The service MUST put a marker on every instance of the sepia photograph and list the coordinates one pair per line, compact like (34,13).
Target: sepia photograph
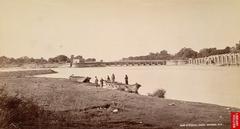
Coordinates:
(119,64)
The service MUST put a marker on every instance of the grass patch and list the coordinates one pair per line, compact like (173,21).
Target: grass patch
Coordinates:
(14,110)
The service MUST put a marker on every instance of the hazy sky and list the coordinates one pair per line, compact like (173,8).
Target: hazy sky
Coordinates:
(112,29)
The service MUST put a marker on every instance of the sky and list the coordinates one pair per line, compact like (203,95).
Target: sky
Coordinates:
(113,29)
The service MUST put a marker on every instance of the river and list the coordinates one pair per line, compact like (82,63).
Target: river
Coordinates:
(208,84)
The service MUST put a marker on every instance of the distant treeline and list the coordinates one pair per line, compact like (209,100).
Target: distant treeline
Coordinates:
(27,60)
(186,53)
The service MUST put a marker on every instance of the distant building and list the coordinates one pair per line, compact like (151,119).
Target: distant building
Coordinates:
(78,59)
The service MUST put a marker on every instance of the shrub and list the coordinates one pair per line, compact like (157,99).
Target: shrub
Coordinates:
(14,110)
(160,93)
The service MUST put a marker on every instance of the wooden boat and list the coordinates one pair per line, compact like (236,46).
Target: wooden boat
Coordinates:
(79,79)
(133,88)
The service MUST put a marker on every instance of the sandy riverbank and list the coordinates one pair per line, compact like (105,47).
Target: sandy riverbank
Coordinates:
(71,105)
(35,66)
(25,73)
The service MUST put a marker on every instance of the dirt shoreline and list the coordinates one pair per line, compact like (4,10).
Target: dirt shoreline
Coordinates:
(72,105)
(24,73)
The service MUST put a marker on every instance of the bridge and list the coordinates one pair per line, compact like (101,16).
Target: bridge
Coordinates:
(80,62)
(131,63)
(120,63)
(135,62)
(223,59)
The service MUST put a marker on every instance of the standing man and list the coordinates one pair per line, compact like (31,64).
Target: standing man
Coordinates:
(113,78)
(126,79)
(96,81)
(108,79)
(101,82)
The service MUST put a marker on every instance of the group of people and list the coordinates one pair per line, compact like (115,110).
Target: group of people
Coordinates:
(109,80)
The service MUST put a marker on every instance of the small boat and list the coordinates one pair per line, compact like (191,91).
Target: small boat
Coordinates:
(79,79)
(133,88)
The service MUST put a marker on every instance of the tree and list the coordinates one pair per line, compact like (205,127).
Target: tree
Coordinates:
(186,53)
(40,61)
(164,52)
(90,60)
(79,57)
(59,59)
(23,60)
(227,50)
(213,51)
(12,61)
(51,60)
(207,52)
(3,60)
(164,55)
